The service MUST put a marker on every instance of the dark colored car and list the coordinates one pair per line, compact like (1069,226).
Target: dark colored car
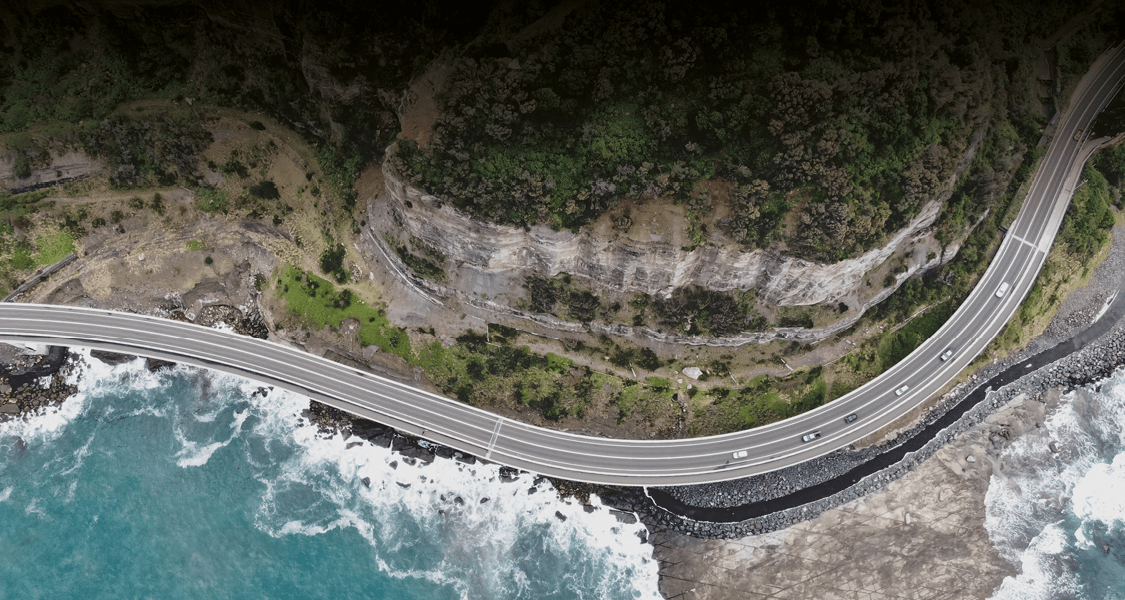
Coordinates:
(850,418)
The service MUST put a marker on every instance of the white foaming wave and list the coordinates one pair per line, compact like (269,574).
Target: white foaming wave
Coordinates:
(46,424)
(33,508)
(6,493)
(353,520)
(1027,511)
(480,542)
(1098,496)
(1042,576)
(79,455)
(70,491)
(194,454)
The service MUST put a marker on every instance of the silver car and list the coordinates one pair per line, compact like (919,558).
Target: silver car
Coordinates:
(808,437)
(947,354)
(902,390)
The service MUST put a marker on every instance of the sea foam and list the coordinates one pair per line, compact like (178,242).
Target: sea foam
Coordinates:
(448,523)
(478,524)
(1056,515)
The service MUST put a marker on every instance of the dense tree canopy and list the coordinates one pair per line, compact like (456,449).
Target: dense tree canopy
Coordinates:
(855,111)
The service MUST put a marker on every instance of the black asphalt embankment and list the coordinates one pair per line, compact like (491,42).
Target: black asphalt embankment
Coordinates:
(52,362)
(895,455)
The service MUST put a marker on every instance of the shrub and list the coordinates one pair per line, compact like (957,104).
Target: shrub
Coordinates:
(22,167)
(266,190)
(208,260)
(332,262)
(211,200)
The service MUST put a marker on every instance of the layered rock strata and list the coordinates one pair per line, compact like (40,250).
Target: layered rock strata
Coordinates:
(484,258)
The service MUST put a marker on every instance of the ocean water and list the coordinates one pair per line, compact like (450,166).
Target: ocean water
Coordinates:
(181,484)
(1060,518)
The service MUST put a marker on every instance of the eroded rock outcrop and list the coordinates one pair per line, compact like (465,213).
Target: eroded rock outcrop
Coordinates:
(646,261)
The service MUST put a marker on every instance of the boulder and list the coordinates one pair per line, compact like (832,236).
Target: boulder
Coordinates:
(155,364)
(693,372)
(623,517)
(112,358)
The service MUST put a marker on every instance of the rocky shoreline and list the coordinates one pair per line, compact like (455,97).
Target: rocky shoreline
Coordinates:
(778,489)
(331,421)
(784,492)
(22,389)
(1091,349)
(1074,369)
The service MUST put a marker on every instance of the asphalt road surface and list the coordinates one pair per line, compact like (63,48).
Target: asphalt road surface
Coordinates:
(631,462)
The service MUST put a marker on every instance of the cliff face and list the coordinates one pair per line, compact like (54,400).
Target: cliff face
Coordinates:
(646,261)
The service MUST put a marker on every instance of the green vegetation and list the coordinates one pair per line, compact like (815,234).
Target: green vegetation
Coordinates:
(627,100)
(265,190)
(698,311)
(14,210)
(53,248)
(79,65)
(764,400)
(341,169)
(878,354)
(558,127)
(480,371)
(157,204)
(690,310)
(318,302)
(428,266)
(1088,218)
(211,200)
(332,261)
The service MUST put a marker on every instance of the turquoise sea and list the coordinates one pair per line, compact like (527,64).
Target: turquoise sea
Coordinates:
(183,484)
(1059,517)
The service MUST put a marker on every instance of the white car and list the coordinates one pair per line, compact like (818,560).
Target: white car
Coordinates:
(1002,290)
(902,390)
(808,437)
(947,354)
(740,454)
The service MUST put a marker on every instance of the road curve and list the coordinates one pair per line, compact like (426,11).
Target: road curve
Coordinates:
(629,462)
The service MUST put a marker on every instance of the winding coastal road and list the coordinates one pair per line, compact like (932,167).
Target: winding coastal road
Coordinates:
(631,462)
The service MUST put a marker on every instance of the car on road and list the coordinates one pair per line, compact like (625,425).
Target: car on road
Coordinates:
(808,437)
(850,418)
(1078,134)
(1003,289)
(902,390)
(740,454)
(947,354)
